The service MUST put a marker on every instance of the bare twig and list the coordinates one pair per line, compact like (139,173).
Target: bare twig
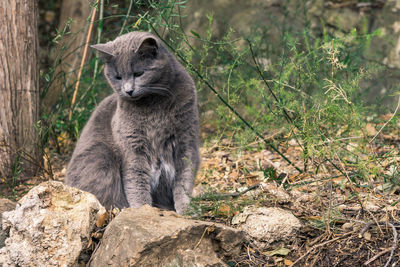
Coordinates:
(126,17)
(234,194)
(392,249)
(394,113)
(365,228)
(338,140)
(93,15)
(354,191)
(320,245)
(377,256)
(248,253)
(24,155)
(208,229)
(99,31)
(288,118)
(285,113)
(94,251)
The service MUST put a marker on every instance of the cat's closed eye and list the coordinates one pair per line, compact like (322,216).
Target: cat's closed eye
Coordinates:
(138,73)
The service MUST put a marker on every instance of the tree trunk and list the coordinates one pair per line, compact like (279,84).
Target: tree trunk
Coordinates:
(68,53)
(19,87)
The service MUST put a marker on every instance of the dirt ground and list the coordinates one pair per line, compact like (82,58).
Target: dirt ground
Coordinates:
(346,223)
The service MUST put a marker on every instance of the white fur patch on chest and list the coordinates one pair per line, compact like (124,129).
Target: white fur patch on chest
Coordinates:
(165,171)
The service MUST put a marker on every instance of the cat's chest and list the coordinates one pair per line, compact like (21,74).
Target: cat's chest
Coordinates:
(154,139)
(134,127)
(163,163)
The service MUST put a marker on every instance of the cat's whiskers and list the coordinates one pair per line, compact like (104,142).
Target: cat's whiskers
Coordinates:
(157,90)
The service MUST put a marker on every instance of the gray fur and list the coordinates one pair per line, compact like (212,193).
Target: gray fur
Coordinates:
(140,146)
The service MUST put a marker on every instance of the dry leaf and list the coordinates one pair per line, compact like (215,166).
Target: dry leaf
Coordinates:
(224,209)
(367,236)
(97,235)
(279,251)
(234,175)
(287,262)
(370,128)
(102,219)
(89,243)
(386,117)
(254,178)
(313,218)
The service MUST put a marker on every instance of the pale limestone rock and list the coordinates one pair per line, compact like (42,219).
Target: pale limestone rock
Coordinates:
(151,237)
(49,227)
(267,225)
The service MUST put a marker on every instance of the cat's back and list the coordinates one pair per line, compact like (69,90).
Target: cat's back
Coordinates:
(95,163)
(98,127)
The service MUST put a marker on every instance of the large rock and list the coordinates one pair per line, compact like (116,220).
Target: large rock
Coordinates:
(49,227)
(151,237)
(267,226)
(5,205)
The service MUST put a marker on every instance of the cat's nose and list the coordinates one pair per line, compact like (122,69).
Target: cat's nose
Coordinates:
(128,88)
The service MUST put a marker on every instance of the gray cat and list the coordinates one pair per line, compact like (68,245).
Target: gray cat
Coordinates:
(140,146)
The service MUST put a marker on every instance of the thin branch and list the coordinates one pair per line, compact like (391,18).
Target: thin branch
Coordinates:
(288,118)
(93,15)
(126,18)
(394,114)
(392,249)
(234,194)
(377,256)
(99,31)
(320,245)
(354,191)
(208,229)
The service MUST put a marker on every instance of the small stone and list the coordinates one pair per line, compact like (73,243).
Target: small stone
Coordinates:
(268,225)
(347,227)
(371,207)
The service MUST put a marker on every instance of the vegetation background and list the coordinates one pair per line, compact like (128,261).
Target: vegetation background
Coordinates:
(297,93)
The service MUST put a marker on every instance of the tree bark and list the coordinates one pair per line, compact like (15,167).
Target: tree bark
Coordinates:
(68,53)
(19,87)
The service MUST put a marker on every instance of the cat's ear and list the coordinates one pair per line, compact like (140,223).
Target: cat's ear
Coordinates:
(148,48)
(105,51)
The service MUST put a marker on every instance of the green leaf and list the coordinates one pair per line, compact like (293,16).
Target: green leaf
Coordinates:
(195,33)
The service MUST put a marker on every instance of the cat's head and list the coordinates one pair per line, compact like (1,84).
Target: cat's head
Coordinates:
(137,66)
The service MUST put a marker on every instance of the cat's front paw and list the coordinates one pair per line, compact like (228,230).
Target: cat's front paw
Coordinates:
(182,206)
(139,199)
